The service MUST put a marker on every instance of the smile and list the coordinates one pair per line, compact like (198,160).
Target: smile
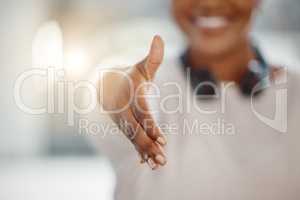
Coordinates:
(212,22)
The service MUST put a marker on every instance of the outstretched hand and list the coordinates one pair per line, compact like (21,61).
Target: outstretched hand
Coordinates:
(125,95)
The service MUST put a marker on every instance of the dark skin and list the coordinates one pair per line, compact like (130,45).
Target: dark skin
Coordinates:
(217,35)
(225,49)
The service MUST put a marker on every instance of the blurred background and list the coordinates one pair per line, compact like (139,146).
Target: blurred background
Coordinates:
(41,157)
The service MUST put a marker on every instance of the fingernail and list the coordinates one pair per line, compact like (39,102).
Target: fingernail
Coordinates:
(151,163)
(161,148)
(160,159)
(142,161)
(155,38)
(161,141)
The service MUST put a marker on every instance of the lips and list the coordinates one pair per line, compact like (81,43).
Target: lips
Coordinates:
(211,22)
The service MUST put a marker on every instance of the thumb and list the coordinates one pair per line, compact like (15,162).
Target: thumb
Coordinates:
(155,57)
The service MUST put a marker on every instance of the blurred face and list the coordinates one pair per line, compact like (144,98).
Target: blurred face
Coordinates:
(214,27)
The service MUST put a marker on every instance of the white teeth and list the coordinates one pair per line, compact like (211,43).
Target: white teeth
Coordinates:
(211,22)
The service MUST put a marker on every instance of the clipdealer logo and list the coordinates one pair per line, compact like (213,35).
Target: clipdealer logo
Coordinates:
(61,94)
(279,120)
(57,92)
